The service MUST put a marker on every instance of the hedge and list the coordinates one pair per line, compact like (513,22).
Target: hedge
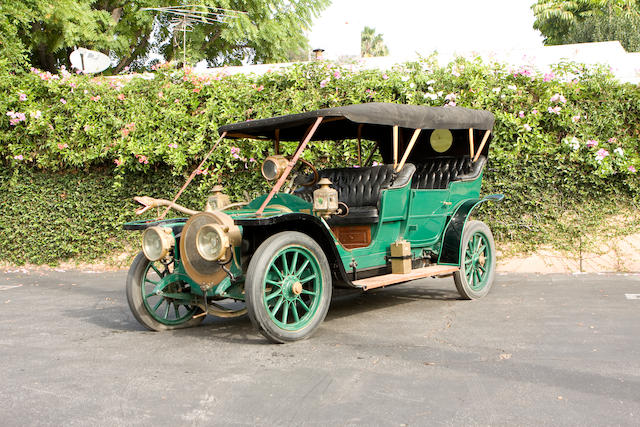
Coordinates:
(76,149)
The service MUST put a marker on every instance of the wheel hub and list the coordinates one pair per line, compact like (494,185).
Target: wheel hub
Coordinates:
(291,287)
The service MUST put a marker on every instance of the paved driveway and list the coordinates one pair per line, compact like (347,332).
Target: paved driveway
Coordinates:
(554,350)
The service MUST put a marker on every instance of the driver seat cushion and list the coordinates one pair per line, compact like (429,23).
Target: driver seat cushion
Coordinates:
(359,188)
(438,172)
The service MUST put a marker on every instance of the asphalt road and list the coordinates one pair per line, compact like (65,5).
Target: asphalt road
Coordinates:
(539,350)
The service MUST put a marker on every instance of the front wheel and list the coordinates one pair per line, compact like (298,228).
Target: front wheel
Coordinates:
(158,312)
(288,287)
(478,261)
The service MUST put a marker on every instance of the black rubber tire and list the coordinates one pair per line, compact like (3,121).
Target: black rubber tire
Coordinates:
(256,273)
(136,304)
(460,277)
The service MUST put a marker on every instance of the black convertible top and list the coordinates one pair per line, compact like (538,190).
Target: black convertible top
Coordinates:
(377,118)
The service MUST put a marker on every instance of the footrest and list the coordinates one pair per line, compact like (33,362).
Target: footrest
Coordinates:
(390,279)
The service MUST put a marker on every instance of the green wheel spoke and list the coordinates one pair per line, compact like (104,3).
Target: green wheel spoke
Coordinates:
(294,262)
(151,281)
(306,292)
(156,270)
(276,307)
(306,279)
(285,264)
(166,312)
(302,303)
(149,295)
(274,294)
(176,311)
(296,317)
(273,268)
(301,269)
(285,312)
(271,282)
(158,304)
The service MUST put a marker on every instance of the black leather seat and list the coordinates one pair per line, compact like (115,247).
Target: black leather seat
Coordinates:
(438,172)
(360,189)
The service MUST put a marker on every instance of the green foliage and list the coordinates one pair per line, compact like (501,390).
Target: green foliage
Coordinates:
(47,31)
(566,144)
(580,21)
(372,44)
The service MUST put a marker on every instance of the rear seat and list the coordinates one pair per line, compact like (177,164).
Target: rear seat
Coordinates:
(360,189)
(437,173)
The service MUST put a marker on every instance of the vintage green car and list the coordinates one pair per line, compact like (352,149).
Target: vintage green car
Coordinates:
(279,256)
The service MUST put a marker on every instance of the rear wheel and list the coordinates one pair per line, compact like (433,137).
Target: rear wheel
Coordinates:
(156,312)
(478,261)
(288,287)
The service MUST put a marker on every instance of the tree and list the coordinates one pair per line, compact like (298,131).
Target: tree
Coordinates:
(372,44)
(562,22)
(49,31)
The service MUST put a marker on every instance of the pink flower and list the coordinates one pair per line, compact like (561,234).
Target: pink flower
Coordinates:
(592,143)
(527,127)
(177,101)
(575,118)
(375,163)
(549,77)
(197,89)
(160,94)
(62,146)
(252,160)
(22,97)
(324,82)
(384,76)
(558,98)
(64,101)
(632,169)
(534,111)
(142,159)
(370,93)
(95,98)
(118,162)
(173,145)
(121,96)
(73,85)
(336,74)
(87,128)
(555,110)
(613,140)
(521,114)
(18,157)
(601,154)
(36,114)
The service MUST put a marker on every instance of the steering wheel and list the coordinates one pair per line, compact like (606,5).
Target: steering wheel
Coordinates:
(294,182)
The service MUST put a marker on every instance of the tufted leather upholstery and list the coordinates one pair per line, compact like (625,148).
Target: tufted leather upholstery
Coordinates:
(360,189)
(439,172)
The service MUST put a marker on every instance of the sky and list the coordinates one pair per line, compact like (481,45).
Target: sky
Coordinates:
(423,26)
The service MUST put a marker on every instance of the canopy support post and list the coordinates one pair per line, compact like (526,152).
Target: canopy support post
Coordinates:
(292,163)
(395,146)
(484,141)
(277,146)
(412,142)
(193,174)
(471,144)
(359,144)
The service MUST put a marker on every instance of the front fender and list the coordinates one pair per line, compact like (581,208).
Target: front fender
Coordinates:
(304,223)
(452,235)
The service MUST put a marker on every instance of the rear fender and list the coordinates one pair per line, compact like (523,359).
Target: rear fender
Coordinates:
(452,236)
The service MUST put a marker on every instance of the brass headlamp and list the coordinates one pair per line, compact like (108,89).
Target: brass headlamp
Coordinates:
(157,242)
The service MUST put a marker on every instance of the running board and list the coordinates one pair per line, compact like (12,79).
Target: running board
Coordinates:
(391,279)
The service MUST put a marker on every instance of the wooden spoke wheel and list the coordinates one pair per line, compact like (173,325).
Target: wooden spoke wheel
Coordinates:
(159,312)
(288,287)
(478,261)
